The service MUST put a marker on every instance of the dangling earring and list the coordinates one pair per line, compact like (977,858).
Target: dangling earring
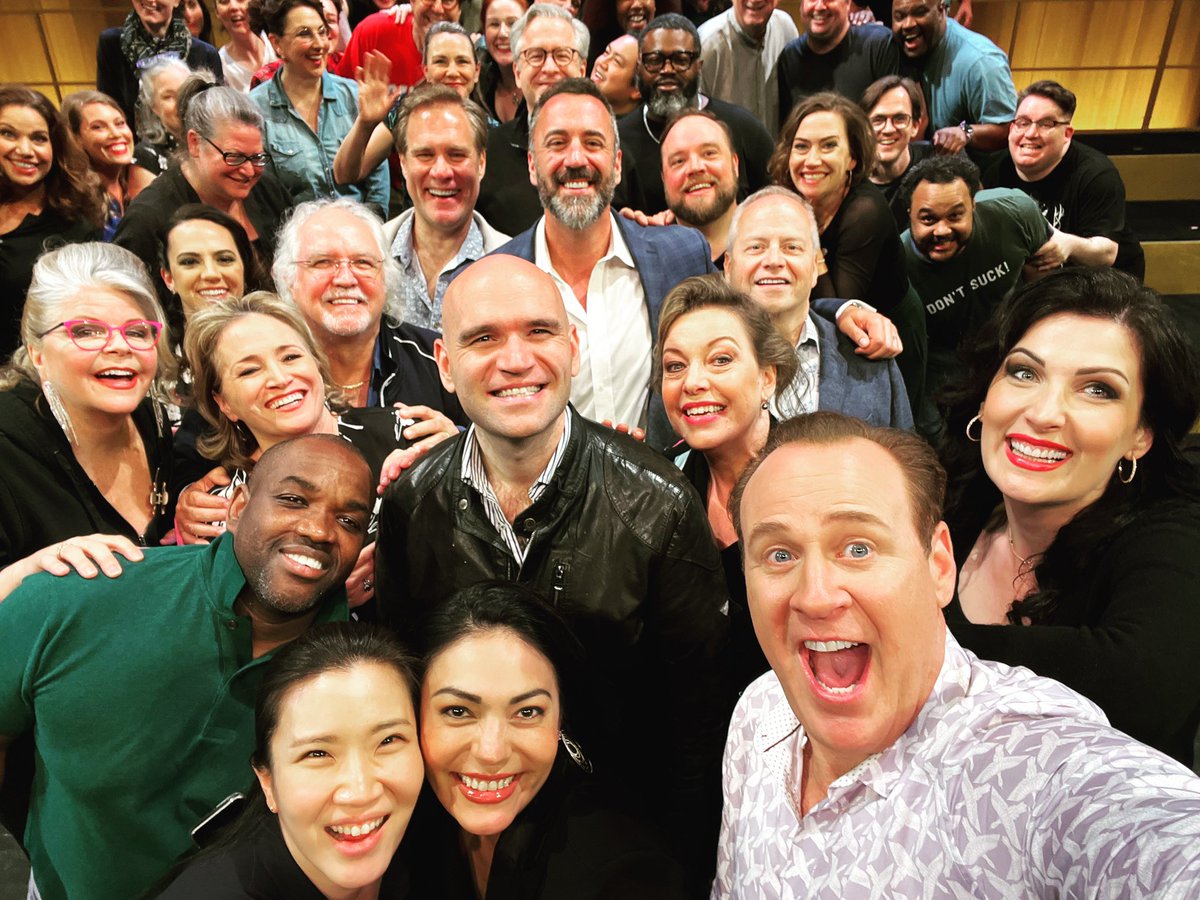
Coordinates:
(575,752)
(1132,470)
(61,416)
(975,440)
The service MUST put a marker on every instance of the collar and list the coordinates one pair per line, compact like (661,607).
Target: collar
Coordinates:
(618,248)
(473,472)
(744,36)
(277,96)
(809,334)
(405,253)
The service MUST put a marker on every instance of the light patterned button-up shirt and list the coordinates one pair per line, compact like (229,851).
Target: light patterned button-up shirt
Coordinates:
(804,392)
(419,308)
(1006,785)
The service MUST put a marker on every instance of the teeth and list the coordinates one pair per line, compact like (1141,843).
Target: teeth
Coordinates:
(357,830)
(476,785)
(770,281)
(519,391)
(1037,452)
(829,646)
(701,186)
(443,193)
(213,292)
(286,399)
(577,185)
(709,410)
(345,301)
(306,561)
(118,373)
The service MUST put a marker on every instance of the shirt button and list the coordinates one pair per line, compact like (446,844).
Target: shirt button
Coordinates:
(462,504)
(529,525)
(231,624)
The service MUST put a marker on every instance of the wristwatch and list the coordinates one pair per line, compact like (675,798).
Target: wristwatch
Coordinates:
(968,130)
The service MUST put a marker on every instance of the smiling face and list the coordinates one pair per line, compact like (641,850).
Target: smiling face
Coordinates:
(234,15)
(489,728)
(509,361)
(753,15)
(500,16)
(427,13)
(268,379)
(634,15)
(918,25)
(1034,152)
(223,182)
(204,265)
(104,136)
(442,168)
(713,386)
(299,525)
(891,140)
(26,153)
(111,381)
(614,71)
(774,258)
(338,303)
(302,47)
(344,757)
(573,159)
(826,22)
(821,162)
(193,16)
(450,60)
(942,218)
(700,171)
(845,596)
(155,14)
(549,35)
(1062,411)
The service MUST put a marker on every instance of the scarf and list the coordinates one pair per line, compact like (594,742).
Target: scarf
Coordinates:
(137,44)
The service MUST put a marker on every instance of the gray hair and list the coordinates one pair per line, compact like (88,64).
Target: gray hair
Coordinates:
(287,250)
(773,190)
(205,108)
(59,278)
(516,33)
(149,125)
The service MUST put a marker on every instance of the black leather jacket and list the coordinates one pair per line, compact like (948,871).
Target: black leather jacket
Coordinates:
(620,543)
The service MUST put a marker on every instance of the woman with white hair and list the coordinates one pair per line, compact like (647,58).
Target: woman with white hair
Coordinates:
(158,127)
(87,451)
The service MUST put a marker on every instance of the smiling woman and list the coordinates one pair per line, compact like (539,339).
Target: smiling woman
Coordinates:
(1074,513)
(337,759)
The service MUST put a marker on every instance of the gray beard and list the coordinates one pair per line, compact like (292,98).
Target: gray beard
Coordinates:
(577,213)
(663,106)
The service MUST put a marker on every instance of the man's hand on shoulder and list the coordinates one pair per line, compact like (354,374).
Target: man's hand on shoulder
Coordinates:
(873,333)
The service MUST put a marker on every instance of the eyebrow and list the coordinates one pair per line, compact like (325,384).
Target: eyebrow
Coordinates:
(475,698)
(1089,370)
(305,740)
(298,481)
(591,132)
(250,356)
(771,528)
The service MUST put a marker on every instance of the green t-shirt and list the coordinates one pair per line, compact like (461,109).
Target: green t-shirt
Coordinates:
(140,694)
(960,293)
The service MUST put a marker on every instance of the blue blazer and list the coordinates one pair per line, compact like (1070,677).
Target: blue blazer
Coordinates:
(663,256)
(871,390)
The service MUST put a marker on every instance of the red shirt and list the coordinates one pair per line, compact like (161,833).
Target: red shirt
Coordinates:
(379,31)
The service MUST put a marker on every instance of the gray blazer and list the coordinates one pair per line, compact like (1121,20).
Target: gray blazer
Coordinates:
(872,390)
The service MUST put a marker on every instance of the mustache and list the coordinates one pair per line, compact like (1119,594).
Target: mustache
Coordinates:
(589,174)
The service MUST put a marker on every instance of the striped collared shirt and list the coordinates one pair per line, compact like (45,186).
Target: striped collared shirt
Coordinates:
(475,475)
(803,394)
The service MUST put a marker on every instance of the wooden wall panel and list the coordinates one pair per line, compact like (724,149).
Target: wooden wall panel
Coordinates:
(996,20)
(22,55)
(1185,43)
(72,40)
(1178,102)
(1107,99)
(1071,33)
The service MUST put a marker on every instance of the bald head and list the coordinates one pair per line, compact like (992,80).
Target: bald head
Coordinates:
(500,279)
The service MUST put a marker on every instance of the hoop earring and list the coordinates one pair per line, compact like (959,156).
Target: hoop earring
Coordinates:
(1132,470)
(575,752)
(975,440)
(61,416)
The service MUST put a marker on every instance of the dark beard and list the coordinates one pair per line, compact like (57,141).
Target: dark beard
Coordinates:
(699,216)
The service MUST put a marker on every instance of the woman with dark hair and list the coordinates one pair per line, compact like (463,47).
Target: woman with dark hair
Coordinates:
(825,153)
(718,361)
(521,815)
(497,82)
(223,166)
(101,132)
(339,767)
(48,195)
(198,20)
(205,257)
(1075,516)
(154,29)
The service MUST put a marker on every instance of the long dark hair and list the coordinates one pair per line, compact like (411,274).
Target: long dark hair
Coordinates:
(72,189)
(1170,406)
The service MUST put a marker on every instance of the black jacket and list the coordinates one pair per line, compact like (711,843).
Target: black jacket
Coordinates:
(620,544)
(406,371)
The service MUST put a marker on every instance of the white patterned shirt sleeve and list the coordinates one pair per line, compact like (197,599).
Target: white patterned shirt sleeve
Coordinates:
(1006,785)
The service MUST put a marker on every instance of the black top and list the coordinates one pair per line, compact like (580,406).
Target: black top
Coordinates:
(19,250)
(573,840)
(117,78)
(1127,638)
(154,158)
(863,252)
(1083,195)
(406,371)
(260,867)
(917,151)
(866,54)
(46,496)
(642,153)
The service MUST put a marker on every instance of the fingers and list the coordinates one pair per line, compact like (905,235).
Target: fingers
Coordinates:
(635,215)
(397,461)
(91,554)
(360,585)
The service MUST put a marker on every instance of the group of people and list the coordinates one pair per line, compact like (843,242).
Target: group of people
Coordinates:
(560,486)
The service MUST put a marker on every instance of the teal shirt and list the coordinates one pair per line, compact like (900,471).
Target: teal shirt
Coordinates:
(967,78)
(140,694)
(303,159)
(960,293)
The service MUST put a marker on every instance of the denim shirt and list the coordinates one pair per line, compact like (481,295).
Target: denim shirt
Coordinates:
(302,160)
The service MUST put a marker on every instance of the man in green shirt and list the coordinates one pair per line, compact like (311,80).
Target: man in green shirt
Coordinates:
(966,249)
(139,691)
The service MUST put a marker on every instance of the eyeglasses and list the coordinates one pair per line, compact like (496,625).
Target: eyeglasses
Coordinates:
(365,266)
(307,36)
(562,56)
(679,60)
(899,121)
(1042,125)
(233,160)
(92,334)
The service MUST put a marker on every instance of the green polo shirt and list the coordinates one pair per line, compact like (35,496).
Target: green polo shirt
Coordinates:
(140,695)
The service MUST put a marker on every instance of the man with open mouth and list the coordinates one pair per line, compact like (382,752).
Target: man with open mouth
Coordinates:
(139,690)
(878,752)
